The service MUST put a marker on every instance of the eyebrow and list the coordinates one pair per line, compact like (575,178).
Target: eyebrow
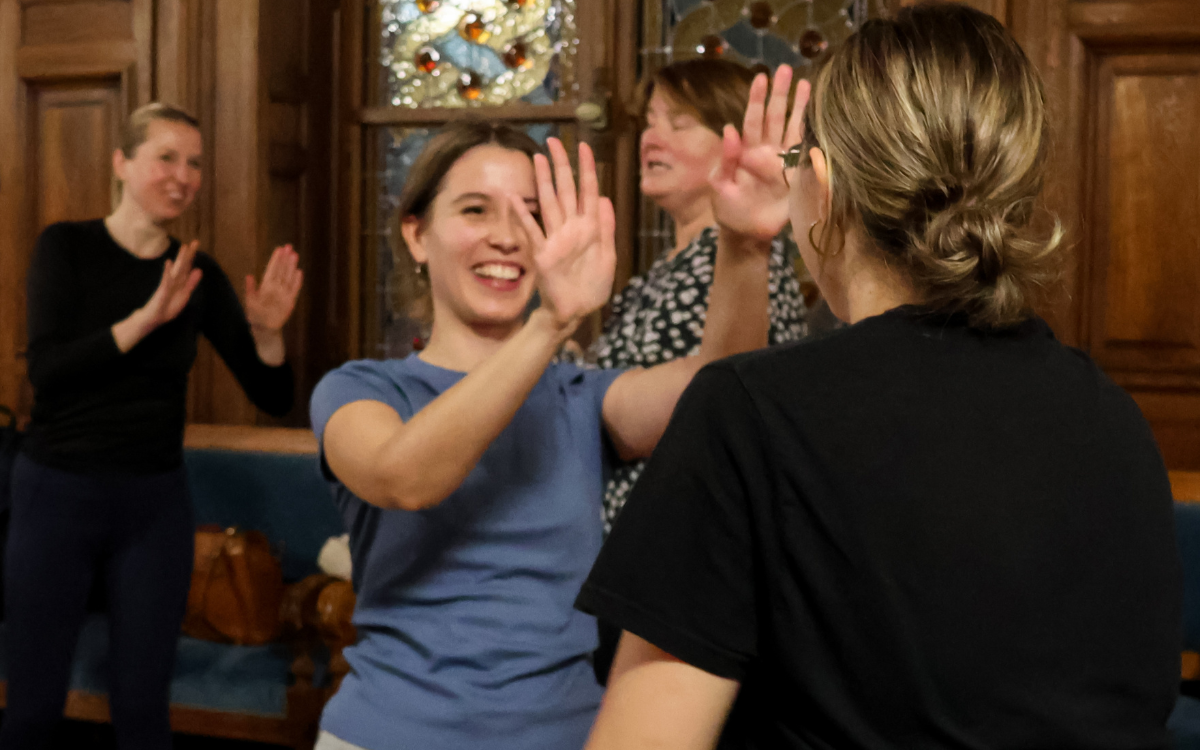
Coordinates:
(486,197)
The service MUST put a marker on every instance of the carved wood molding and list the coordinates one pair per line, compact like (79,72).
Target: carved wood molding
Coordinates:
(250,438)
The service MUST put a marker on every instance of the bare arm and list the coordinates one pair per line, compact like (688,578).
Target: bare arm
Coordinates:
(657,701)
(751,208)
(417,464)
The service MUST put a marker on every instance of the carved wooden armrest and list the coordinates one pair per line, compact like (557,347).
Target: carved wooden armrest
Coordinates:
(335,606)
(299,618)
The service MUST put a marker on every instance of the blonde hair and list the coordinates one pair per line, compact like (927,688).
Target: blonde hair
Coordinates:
(409,284)
(934,128)
(135,130)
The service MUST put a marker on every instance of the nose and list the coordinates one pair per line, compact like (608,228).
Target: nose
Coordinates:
(652,137)
(506,231)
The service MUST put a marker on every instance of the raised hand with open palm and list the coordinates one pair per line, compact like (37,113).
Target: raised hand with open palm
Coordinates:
(750,192)
(575,255)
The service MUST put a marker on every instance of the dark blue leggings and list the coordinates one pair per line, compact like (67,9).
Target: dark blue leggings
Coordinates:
(136,532)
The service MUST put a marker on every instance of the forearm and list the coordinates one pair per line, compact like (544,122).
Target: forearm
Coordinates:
(639,404)
(128,332)
(738,317)
(270,345)
(435,451)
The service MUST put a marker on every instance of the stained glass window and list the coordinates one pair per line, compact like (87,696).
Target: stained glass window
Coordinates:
(459,53)
(760,32)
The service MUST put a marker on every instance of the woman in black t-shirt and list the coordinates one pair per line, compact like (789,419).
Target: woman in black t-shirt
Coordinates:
(936,528)
(114,309)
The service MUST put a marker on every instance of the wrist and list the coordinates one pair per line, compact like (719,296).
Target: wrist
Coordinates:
(543,323)
(746,246)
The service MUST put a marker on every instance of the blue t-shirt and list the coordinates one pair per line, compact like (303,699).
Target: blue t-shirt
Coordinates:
(466,632)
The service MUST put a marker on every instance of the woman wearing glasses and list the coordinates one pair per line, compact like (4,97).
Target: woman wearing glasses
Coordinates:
(958,532)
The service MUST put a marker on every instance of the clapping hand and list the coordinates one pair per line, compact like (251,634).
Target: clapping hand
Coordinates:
(575,256)
(175,288)
(270,304)
(750,192)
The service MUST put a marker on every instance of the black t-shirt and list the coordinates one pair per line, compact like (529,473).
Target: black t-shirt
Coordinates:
(909,534)
(97,410)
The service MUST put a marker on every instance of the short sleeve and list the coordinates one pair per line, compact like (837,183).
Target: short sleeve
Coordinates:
(587,382)
(363,380)
(678,568)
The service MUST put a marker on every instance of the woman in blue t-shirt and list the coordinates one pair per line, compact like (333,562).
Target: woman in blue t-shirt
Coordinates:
(470,475)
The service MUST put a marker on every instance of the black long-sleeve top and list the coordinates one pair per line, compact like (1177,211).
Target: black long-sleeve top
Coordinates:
(97,410)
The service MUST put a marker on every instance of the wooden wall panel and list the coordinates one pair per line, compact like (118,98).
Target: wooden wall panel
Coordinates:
(1123,91)
(72,23)
(1146,203)
(72,135)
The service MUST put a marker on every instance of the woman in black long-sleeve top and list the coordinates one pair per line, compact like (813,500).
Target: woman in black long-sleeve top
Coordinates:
(114,309)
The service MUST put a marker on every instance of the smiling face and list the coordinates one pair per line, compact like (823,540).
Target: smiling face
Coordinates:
(478,257)
(678,153)
(163,175)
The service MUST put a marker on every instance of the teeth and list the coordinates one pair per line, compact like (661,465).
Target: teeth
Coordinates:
(498,271)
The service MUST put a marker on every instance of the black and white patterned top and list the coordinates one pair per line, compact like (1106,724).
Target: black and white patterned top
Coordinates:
(660,316)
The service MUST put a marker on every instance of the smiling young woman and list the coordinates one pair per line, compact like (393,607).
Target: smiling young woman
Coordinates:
(470,474)
(114,309)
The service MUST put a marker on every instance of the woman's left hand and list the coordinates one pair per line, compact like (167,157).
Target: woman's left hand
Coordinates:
(750,192)
(576,254)
(270,304)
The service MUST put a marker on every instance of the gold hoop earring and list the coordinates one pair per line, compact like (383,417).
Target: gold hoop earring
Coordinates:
(812,242)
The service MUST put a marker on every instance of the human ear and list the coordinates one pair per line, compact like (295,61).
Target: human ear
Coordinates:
(410,230)
(118,164)
(820,169)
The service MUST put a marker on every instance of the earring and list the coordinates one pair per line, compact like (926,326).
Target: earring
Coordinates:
(810,235)
(419,269)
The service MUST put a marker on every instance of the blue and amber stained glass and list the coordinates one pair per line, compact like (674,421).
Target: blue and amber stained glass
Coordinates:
(458,53)
(761,32)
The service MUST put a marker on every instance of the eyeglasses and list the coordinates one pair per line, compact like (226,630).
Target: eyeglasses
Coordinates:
(791,160)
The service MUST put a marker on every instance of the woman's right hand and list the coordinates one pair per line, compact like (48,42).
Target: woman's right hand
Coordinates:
(174,290)
(751,194)
(576,255)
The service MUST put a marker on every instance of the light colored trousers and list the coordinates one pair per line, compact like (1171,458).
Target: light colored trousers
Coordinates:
(327,741)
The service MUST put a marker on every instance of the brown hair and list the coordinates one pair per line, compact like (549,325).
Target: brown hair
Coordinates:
(934,128)
(714,91)
(409,285)
(133,134)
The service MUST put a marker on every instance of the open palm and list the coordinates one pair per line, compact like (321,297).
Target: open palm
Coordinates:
(270,304)
(175,288)
(751,195)
(576,255)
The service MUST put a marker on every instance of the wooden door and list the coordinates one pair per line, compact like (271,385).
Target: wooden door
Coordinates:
(1123,83)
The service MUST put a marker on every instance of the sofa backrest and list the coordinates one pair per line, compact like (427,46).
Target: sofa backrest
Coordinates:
(265,479)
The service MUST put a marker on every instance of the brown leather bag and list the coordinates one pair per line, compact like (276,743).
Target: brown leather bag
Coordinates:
(237,588)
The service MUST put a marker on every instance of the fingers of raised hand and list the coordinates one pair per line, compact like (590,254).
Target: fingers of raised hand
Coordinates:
(552,214)
(777,106)
(731,154)
(752,123)
(589,186)
(534,232)
(795,128)
(564,178)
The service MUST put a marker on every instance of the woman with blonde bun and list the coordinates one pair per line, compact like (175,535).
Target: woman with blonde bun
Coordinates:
(937,527)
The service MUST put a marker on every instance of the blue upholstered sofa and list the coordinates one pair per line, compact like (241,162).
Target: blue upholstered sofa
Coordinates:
(265,479)
(1185,720)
